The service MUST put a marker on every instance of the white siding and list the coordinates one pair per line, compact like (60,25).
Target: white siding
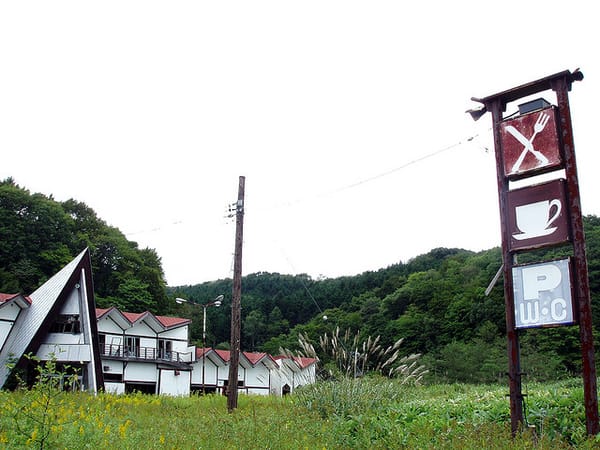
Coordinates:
(5,328)
(140,329)
(107,325)
(62,352)
(71,305)
(64,338)
(258,379)
(140,372)
(210,369)
(174,382)
(180,334)
(114,388)
(9,312)
(113,366)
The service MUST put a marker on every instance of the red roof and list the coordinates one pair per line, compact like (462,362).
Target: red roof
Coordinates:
(172,321)
(200,351)
(253,357)
(301,361)
(224,354)
(305,362)
(132,317)
(101,311)
(7,297)
(165,321)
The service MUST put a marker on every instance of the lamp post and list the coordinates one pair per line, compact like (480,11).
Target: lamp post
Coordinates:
(216,302)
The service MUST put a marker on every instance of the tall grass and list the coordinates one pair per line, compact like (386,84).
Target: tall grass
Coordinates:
(382,413)
(350,355)
(371,412)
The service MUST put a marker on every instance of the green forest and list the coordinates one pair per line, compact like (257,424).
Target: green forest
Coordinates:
(436,302)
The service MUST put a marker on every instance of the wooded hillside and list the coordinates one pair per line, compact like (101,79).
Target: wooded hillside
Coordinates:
(39,235)
(436,301)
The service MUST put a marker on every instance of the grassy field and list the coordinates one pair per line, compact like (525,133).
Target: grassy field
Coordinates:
(361,414)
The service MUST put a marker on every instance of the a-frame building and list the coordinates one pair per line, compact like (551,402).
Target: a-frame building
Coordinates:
(57,321)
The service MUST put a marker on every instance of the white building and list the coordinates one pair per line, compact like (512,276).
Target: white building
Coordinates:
(144,352)
(56,322)
(125,352)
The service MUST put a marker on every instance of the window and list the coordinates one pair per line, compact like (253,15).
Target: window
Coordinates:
(66,323)
(165,349)
(132,346)
(114,377)
(102,343)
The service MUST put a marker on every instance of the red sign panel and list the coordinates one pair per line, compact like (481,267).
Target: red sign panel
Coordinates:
(537,216)
(530,143)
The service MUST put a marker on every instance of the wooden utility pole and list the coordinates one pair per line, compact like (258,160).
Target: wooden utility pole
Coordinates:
(232,384)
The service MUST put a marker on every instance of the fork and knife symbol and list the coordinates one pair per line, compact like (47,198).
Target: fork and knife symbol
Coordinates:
(538,127)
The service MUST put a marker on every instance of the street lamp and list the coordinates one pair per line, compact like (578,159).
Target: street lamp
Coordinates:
(216,302)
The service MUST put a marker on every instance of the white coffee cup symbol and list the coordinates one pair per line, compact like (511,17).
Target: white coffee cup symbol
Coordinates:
(534,219)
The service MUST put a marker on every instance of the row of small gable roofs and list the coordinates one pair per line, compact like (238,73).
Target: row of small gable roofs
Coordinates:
(165,321)
(255,357)
(5,298)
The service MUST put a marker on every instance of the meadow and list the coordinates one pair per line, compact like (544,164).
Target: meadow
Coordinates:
(365,413)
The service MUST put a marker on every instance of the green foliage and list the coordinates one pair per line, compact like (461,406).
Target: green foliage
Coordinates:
(39,235)
(376,413)
(36,412)
(365,413)
(435,302)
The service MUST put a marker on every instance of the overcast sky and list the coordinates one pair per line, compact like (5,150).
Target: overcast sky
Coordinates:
(347,119)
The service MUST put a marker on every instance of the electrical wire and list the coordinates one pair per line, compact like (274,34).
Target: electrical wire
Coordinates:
(339,189)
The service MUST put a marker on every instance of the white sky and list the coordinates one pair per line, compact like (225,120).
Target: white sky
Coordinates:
(149,112)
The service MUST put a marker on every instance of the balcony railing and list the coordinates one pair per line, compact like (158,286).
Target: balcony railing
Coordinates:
(143,353)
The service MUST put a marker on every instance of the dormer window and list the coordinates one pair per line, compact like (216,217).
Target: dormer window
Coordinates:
(66,323)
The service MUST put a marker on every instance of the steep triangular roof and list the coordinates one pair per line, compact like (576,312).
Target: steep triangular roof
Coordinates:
(46,301)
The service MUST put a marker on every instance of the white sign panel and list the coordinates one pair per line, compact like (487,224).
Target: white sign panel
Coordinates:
(542,294)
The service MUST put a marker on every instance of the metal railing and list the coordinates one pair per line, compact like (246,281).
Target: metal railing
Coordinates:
(143,353)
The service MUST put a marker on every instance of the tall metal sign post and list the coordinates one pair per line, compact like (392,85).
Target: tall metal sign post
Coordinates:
(538,215)
(232,383)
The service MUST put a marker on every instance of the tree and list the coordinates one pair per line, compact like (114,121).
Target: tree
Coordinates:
(39,235)
(253,328)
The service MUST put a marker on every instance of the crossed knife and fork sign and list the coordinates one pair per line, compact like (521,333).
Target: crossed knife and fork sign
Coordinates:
(538,127)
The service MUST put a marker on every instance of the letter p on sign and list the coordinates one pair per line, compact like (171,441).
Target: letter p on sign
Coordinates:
(540,278)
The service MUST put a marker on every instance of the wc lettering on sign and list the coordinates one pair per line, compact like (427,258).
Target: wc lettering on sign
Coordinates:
(542,294)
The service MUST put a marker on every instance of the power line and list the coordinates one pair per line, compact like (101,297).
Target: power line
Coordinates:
(375,177)
(410,163)
(339,189)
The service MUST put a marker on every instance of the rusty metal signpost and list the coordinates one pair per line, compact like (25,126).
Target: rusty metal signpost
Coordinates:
(538,215)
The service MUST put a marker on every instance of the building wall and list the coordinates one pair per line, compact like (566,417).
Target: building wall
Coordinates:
(258,379)
(9,312)
(8,315)
(174,382)
(65,352)
(211,372)
(108,325)
(140,371)
(114,388)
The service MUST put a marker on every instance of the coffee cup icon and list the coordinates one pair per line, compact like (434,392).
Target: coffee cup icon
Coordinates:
(534,220)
